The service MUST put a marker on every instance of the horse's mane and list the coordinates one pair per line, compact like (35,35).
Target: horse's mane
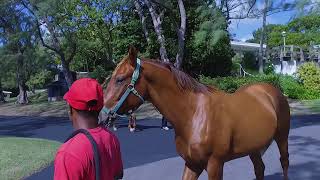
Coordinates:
(184,81)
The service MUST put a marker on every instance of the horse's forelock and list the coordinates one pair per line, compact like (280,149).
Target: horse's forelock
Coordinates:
(124,60)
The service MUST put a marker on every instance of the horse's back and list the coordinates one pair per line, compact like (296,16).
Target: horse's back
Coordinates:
(266,92)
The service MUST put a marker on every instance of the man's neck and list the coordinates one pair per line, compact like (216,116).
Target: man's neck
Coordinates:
(87,123)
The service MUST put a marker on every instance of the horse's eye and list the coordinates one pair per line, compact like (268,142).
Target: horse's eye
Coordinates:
(119,80)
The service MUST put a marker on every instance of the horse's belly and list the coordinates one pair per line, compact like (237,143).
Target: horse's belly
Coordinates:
(252,136)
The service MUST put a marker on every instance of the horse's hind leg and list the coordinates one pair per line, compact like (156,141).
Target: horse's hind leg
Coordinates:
(281,136)
(191,174)
(258,165)
(284,155)
(215,169)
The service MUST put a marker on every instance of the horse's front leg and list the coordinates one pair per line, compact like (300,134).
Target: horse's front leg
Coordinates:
(215,169)
(191,173)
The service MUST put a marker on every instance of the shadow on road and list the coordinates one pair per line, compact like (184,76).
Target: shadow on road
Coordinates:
(304,151)
(304,120)
(53,128)
(304,171)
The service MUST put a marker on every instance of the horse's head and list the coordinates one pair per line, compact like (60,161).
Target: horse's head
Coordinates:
(127,88)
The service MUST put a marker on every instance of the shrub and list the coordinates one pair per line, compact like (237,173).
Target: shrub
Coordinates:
(231,84)
(290,86)
(249,60)
(39,80)
(99,74)
(309,74)
(269,68)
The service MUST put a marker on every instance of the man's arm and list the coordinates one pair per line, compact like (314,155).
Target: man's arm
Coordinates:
(120,176)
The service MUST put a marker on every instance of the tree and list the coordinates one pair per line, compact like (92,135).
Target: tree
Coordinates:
(301,31)
(161,12)
(236,9)
(210,42)
(143,19)
(2,100)
(307,7)
(264,19)
(181,34)
(53,16)
(157,18)
(18,39)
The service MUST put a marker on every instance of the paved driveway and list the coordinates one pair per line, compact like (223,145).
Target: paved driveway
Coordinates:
(150,153)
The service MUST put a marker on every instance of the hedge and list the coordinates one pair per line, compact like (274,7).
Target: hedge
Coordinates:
(287,84)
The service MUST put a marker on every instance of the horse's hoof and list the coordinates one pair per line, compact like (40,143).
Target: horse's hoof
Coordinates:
(132,129)
(115,129)
(165,128)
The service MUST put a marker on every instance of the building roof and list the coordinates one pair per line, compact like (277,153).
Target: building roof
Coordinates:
(245,46)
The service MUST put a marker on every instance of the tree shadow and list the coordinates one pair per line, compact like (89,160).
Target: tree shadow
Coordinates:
(304,120)
(31,126)
(304,171)
(304,157)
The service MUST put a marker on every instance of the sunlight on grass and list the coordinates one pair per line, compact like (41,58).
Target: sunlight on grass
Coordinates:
(21,157)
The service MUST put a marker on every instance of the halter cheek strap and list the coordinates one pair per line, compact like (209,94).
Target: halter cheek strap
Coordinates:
(130,89)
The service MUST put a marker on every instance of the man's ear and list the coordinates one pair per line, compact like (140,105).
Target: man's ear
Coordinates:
(132,54)
(70,110)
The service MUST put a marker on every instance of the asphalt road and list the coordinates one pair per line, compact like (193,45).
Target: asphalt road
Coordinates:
(150,153)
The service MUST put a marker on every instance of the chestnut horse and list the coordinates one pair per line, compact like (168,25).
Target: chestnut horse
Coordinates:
(211,126)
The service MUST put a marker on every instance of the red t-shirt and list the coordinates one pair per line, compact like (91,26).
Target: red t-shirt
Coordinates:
(74,159)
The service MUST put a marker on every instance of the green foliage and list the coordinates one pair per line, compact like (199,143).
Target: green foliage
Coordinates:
(249,60)
(287,84)
(301,31)
(309,74)
(295,90)
(209,46)
(269,68)
(100,74)
(39,80)
(231,84)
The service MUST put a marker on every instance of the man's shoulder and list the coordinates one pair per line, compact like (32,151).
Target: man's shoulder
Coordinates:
(107,134)
(79,146)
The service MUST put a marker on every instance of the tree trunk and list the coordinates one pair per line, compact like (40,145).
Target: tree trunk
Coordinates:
(260,62)
(181,35)
(156,19)
(143,20)
(2,100)
(22,97)
(66,71)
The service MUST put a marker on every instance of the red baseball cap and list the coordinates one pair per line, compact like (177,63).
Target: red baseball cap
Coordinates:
(85,94)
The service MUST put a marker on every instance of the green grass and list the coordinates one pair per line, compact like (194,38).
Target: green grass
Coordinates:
(313,105)
(38,105)
(21,157)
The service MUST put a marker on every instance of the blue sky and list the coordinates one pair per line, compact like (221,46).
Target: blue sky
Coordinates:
(243,28)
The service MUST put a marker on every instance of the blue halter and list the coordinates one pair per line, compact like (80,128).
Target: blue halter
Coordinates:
(129,90)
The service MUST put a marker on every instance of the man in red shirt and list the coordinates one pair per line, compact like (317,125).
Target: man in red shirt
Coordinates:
(75,158)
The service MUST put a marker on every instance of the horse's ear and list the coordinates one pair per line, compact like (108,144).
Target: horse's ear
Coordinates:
(132,52)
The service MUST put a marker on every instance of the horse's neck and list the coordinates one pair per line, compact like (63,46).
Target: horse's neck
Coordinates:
(175,105)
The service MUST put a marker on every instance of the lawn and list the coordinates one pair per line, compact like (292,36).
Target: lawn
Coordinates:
(21,157)
(313,105)
(38,106)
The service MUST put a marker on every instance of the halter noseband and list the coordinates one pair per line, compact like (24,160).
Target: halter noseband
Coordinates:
(129,90)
